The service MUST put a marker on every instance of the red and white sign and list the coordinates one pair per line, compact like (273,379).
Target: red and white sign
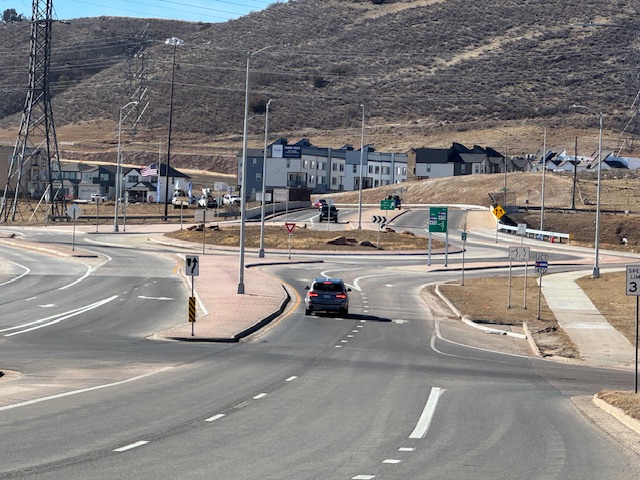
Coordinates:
(290,226)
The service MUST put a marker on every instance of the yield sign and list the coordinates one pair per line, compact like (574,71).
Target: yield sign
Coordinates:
(290,226)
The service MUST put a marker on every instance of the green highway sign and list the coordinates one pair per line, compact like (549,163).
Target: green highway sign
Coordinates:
(438,219)
(387,204)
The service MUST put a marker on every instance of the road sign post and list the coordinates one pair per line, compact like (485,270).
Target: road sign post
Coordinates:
(192,269)
(633,288)
(518,254)
(499,212)
(541,268)
(74,211)
(438,220)
(464,241)
(387,204)
(290,226)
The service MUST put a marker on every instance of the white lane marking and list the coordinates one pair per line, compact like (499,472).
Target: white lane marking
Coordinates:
(349,336)
(89,271)
(356,282)
(355,331)
(406,449)
(55,318)
(26,271)
(388,285)
(362,321)
(365,311)
(363,477)
(359,326)
(391,460)
(259,396)
(130,446)
(48,305)
(427,414)
(155,298)
(84,390)
(29,299)
(344,341)
(338,346)
(291,378)
(400,322)
(215,417)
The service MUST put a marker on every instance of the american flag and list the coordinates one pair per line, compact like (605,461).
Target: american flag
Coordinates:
(149,171)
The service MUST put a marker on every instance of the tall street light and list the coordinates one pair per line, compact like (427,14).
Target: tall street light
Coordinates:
(119,167)
(175,42)
(243,178)
(506,140)
(596,264)
(361,167)
(264,173)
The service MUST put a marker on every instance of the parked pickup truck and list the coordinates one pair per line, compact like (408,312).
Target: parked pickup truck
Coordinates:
(231,200)
(180,199)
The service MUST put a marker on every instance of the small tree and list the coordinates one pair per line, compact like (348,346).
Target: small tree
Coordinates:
(10,15)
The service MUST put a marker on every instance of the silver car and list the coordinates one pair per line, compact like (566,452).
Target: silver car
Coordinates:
(327,295)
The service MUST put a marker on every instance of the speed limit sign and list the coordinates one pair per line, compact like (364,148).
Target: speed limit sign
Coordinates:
(633,280)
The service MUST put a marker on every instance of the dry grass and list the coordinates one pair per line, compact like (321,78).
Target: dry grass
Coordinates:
(305,238)
(485,300)
(629,402)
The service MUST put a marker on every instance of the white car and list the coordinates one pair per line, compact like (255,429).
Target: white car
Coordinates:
(231,200)
(96,197)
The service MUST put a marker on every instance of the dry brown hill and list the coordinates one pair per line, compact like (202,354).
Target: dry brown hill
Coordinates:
(428,72)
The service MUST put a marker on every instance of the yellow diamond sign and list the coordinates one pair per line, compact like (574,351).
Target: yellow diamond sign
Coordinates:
(499,211)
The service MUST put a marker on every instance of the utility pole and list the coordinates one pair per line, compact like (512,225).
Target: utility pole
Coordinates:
(36,148)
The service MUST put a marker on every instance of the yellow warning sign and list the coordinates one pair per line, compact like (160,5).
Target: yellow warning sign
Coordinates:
(192,309)
(499,211)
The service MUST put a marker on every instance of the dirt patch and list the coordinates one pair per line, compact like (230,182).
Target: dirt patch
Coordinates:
(306,239)
(485,300)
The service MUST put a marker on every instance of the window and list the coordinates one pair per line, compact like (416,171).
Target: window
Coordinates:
(133,178)
(462,168)
(255,161)
(312,179)
(476,168)
(355,169)
(321,180)
(288,163)
(313,164)
(342,167)
(377,170)
(258,177)
(375,183)
(104,177)
(334,181)
(398,170)
(321,166)
(305,164)
(386,170)
(370,168)
(428,165)
(334,167)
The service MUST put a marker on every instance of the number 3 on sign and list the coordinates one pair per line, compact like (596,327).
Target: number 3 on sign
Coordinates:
(633,277)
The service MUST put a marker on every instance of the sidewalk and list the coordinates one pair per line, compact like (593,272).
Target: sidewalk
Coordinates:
(598,342)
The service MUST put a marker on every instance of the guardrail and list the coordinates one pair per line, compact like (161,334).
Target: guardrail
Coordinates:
(537,234)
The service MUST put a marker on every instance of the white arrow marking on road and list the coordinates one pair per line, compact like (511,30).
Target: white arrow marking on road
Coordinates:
(155,298)
(46,322)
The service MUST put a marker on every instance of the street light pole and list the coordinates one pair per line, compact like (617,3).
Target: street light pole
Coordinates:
(243,178)
(506,148)
(361,167)
(119,168)
(175,42)
(264,173)
(596,261)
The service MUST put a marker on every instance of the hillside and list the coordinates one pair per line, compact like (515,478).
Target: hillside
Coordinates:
(428,72)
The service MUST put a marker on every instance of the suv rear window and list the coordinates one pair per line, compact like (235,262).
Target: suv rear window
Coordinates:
(327,287)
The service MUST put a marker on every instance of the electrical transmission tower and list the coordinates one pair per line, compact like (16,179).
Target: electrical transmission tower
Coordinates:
(34,170)
(135,84)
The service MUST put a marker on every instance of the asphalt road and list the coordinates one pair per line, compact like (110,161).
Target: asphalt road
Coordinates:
(394,391)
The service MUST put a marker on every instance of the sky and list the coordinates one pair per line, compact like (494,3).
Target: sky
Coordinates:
(189,10)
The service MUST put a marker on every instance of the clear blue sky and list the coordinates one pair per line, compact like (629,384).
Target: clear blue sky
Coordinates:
(190,10)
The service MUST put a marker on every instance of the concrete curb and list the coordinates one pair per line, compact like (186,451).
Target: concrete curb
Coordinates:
(532,342)
(471,323)
(242,334)
(625,419)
